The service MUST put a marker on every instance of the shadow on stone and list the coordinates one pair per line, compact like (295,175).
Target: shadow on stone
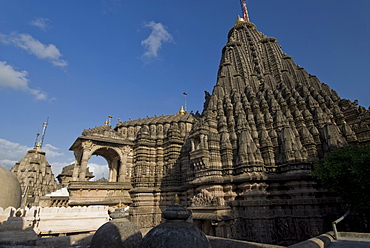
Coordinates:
(177,231)
(118,233)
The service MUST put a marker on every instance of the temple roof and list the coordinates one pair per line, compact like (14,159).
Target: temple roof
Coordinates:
(68,171)
(163,119)
(270,110)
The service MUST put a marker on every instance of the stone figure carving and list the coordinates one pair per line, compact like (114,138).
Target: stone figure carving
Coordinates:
(205,198)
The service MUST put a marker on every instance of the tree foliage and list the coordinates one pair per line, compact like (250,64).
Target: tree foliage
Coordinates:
(347,172)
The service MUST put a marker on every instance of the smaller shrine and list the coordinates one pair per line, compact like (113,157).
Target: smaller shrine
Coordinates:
(35,176)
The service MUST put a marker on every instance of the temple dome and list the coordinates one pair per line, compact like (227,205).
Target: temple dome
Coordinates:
(10,191)
(176,231)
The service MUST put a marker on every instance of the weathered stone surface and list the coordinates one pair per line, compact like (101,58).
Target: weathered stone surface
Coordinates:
(82,193)
(10,190)
(244,164)
(175,234)
(51,221)
(176,231)
(17,229)
(232,243)
(130,233)
(117,234)
(108,235)
(67,173)
(35,175)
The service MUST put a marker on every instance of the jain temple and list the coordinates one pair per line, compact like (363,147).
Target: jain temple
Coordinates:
(242,166)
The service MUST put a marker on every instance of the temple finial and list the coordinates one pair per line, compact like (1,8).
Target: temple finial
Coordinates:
(182,111)
(239,20)
(177,199)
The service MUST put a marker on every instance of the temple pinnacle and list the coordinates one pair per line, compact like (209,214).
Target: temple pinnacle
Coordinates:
(239,20)
(182,110)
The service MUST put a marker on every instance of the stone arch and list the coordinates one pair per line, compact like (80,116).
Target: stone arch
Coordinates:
(114,158)
(115,154)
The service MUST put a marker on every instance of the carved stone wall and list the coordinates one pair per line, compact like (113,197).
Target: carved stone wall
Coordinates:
(243,165)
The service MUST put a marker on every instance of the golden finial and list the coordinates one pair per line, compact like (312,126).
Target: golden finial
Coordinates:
(177,199)
(182,111)
(106,122)
(239,20)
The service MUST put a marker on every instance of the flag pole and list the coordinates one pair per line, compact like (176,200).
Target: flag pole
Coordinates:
(245,10)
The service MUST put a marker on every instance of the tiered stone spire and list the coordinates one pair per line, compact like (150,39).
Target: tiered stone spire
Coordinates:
(34,172)
(269,110)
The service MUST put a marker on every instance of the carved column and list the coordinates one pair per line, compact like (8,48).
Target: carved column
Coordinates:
(84,160)
(113,164)
(75,171)
(122,168)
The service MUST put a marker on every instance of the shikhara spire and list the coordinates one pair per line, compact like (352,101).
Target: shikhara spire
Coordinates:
(245,10)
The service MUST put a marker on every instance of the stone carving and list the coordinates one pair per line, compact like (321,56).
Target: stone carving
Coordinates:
(40,221)
(67,174)
(87,145)
(248,155)
(205,198)
(35,176)
(103,131)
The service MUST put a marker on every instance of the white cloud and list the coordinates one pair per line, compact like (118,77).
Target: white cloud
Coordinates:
(40,22)
(12,78)
(51,151)
(57,167)
(8,164)
(99,171)
(33,46)
(154,42)
(11,152)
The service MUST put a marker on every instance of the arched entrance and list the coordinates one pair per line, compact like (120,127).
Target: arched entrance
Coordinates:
(115,149)
(105,142)
(116,172)
(98,166)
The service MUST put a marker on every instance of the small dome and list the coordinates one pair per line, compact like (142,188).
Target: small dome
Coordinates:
(10,190)
(175,231)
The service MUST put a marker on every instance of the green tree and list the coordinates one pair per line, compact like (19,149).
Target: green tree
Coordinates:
(346,171)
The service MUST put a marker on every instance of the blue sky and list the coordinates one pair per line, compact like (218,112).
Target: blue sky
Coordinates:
(77,62)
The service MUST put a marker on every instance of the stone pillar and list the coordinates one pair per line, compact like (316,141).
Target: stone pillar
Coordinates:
(122,168)
(75,171)
(84,160)
(112,164)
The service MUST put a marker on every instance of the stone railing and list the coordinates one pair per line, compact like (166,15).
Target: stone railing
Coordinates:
(5,213)
(54,220)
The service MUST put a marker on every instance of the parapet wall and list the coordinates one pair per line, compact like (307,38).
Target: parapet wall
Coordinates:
(5,213)
(55,220)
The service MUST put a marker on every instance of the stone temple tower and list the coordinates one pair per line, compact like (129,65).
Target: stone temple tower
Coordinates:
(265,123)
(35,176)
(244,165)
(34,173)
